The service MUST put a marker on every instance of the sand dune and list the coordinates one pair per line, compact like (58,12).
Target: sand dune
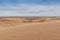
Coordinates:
(13,21)
(32,31)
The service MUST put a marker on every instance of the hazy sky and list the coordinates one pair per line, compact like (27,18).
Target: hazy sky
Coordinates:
(29,7)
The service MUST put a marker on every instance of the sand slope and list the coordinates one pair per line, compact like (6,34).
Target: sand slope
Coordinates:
(13,21)
(32,31)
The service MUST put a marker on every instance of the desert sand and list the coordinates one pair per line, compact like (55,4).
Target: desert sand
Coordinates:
(32,31)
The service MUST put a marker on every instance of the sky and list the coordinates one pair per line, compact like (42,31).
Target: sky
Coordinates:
(15,2)
(29,7)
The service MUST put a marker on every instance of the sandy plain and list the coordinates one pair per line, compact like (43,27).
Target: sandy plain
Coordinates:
(30,29)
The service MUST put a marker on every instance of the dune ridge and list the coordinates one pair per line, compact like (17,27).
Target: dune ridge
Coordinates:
(13,21)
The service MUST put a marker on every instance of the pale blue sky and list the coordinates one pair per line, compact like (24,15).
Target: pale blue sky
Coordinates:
(29,7)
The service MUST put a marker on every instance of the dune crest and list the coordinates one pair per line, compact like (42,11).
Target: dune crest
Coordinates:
(14,21)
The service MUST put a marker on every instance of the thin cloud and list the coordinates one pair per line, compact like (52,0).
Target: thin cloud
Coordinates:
(30,10)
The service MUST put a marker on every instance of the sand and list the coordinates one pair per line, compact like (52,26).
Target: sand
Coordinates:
(32,31)
(14,21)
